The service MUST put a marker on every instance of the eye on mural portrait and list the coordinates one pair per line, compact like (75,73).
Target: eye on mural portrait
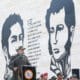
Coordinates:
(60,24)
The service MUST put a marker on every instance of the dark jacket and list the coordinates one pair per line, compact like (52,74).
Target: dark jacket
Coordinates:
(18,61)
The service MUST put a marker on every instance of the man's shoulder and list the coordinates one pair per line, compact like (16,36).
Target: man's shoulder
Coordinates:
(25,57)
(12,57)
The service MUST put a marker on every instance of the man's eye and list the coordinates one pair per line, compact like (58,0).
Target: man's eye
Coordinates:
(51,30)
(60,27)
(14,40)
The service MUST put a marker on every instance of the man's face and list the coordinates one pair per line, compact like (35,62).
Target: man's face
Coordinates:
(15,38)
(58,34)
(21,51)
(60,77)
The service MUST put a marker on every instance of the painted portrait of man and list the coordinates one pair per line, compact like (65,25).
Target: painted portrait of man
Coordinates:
(60,24)
(12,38)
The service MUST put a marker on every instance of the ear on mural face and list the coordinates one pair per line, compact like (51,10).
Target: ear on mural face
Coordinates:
(72,29)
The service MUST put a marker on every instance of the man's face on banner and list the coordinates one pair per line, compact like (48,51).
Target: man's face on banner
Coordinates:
(58,34)
(15,39)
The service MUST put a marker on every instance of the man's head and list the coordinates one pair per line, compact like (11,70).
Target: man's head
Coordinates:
(12,34)
(20,50)
(44,76)
(59,76)
(60,23)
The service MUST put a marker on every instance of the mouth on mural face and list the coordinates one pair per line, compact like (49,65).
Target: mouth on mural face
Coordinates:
(56,51)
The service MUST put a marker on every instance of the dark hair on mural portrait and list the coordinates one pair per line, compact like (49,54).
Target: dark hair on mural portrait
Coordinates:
(9,22)
(55,7)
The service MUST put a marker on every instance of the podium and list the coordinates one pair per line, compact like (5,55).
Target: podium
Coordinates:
(76,73)
(28,72)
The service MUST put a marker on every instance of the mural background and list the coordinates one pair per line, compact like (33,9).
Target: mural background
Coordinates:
(33,14)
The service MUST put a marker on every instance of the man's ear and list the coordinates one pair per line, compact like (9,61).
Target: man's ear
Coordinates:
(6,55)
(72,29)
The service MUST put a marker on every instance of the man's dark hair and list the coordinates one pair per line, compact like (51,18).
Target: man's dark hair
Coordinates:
(9,22)
(55,7)
(59,74)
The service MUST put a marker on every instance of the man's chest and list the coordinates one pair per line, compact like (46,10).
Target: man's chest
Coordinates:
(20,61)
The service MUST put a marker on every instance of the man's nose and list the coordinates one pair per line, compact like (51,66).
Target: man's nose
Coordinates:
(55,38)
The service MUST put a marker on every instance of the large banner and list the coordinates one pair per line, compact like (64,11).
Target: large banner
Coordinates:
(49,30)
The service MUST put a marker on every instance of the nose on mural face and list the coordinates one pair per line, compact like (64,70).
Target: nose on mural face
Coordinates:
(19,43)
(55,38)
(55,41)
